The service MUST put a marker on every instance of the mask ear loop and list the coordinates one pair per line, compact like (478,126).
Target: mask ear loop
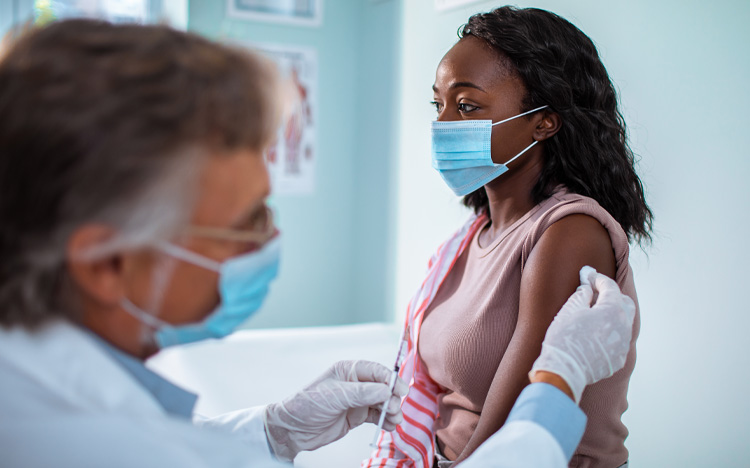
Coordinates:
(144,317)
(149,315)
(515,117)
(189,256)
(519,154)
(161,276)
(520,115)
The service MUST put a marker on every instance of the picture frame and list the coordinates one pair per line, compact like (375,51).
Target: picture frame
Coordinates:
(292,159)
(115,11)
(292,12)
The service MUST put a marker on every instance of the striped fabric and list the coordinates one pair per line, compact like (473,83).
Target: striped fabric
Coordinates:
(412,444)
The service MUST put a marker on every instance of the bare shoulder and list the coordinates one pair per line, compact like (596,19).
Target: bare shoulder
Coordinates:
(576,238)
(551,272)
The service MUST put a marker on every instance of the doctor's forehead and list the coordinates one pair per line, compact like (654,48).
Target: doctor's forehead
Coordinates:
(231,185)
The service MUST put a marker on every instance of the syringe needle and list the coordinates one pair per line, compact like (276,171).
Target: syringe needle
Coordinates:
(391,385)
(383,410)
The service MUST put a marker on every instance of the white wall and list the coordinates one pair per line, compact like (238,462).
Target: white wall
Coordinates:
(683,71)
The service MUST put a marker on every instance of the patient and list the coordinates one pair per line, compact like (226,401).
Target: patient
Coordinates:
(571,198)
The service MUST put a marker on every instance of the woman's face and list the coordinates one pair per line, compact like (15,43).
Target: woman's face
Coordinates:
(474,82)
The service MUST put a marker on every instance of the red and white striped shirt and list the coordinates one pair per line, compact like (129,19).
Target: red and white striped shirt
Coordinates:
(412,444)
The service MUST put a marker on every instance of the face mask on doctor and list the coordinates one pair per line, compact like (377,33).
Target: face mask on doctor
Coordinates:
(461,152)
(244,282)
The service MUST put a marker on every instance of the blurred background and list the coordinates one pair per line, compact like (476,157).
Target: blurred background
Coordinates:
(361,210)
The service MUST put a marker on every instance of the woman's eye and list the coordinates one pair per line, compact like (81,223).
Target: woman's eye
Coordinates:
(437,105)
(463,107)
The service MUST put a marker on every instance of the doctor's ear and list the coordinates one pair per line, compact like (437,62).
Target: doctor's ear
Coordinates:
(548,126)
(97,276)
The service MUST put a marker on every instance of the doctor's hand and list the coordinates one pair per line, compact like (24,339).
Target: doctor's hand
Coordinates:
(588,342)
(347,395)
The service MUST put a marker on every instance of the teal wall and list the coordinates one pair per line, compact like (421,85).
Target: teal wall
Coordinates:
(7,16)
(13,12)
(378,96)
(334,266)
(338,241)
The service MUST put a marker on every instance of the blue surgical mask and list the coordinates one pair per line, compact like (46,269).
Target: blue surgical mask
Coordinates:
(243,285)
(461,153)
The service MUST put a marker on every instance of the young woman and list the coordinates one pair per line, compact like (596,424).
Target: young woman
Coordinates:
(528,130)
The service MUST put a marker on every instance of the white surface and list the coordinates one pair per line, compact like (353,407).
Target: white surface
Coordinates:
(256,367)
(176,13)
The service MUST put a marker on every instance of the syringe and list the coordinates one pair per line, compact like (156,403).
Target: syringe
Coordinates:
(396,367)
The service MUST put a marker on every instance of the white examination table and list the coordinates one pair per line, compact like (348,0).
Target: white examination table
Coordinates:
(254,367)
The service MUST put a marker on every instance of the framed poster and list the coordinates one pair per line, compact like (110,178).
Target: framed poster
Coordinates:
(296,12)
(116,11)
(292,160)
(444,5)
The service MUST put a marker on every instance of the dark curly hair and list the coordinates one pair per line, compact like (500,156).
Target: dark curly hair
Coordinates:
(560,67)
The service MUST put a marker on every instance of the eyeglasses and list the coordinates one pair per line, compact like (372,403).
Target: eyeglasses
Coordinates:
(258,229)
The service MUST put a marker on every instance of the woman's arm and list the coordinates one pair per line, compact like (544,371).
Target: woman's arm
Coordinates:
(550,276)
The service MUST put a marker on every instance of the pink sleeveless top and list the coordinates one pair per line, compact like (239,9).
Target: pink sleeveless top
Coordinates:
(471,321)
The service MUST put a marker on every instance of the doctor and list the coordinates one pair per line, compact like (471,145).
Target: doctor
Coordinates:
(133,218)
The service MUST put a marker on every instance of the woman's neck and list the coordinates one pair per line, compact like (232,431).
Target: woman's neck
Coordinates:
(510,197)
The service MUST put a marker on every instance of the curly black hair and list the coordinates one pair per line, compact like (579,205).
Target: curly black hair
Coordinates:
(560,67)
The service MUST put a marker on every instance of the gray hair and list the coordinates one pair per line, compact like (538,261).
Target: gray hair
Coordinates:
(109,124)
(153,209)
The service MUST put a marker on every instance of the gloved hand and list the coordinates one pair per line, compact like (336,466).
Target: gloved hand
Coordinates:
(347,395)
(586,343)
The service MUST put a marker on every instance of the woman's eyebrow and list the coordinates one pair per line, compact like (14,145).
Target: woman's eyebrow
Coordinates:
(461,84)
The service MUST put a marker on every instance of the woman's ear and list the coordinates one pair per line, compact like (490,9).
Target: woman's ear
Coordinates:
(100,278)
(547,126)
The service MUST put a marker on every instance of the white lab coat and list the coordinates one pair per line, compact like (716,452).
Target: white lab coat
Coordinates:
(519,444)
(66,403)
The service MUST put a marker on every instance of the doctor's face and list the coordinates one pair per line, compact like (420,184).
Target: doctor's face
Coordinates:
(232,189)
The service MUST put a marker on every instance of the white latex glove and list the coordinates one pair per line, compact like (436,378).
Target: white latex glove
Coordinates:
(586,343)
(347,395)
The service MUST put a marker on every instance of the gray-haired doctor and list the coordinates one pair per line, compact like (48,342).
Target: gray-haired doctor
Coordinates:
(132,218)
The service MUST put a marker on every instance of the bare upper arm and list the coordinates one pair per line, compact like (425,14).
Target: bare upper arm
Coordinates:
(549,278)
(550,275)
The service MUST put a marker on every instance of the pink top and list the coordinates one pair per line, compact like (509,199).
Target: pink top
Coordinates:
(471,320)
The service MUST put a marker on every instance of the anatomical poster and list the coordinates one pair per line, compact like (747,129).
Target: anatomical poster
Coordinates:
(291,161)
